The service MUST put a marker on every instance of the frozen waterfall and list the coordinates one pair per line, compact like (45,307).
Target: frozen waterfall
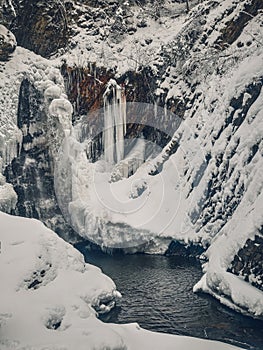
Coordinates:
(114,122)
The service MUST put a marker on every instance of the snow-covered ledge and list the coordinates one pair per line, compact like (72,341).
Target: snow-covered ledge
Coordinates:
(229,289)
(47,294)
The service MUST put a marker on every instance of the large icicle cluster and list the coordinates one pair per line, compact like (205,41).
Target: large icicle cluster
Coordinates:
(114,122)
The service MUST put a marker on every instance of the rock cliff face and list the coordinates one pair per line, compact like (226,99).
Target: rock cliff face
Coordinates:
(248,262)
(38,26)
(203,67)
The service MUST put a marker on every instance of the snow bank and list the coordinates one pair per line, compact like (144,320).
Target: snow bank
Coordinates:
(48,286)
(229,289)
(48,294)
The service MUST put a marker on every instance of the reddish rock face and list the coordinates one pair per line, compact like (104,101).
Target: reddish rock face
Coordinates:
(85,88)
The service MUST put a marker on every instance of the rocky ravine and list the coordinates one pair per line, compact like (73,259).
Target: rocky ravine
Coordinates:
(205,66)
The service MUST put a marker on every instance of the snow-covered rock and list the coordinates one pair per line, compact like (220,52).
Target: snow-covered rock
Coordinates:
(41,27)
(48,295)
(7,43)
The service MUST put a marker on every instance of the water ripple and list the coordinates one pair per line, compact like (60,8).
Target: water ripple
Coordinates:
(157,293)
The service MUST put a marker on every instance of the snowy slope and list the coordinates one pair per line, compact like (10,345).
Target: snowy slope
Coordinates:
(48,295)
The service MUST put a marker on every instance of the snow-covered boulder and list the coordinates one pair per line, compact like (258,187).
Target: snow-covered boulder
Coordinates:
(47,294)
(7,43)
(47,286)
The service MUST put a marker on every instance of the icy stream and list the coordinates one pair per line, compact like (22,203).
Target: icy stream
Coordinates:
(157,293)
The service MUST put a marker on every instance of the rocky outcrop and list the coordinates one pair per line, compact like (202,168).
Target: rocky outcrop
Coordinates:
(248,263)
(7,12)
(180,249)
(234,27)
(40,26)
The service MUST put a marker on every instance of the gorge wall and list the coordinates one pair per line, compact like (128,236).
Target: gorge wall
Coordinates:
(204,68)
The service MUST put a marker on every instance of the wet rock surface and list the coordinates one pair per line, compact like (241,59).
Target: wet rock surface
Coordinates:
(181,249)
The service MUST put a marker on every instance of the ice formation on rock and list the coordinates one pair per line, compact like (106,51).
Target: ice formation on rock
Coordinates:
(62,109)
(129,165)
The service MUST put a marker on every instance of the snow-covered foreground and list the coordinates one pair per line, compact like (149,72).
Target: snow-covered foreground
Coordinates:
(47,294)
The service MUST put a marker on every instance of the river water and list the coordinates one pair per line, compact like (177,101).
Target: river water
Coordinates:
(157,294)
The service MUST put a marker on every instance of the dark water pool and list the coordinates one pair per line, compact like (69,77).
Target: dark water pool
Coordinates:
(157,293)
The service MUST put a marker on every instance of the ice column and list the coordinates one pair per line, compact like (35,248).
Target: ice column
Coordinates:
(114,122)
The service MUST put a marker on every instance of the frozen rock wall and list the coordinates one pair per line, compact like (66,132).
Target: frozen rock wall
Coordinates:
(31,140)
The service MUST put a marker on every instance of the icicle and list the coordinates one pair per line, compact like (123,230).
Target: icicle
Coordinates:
(108,132)
(123,105)
(156,103)
(165,111)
